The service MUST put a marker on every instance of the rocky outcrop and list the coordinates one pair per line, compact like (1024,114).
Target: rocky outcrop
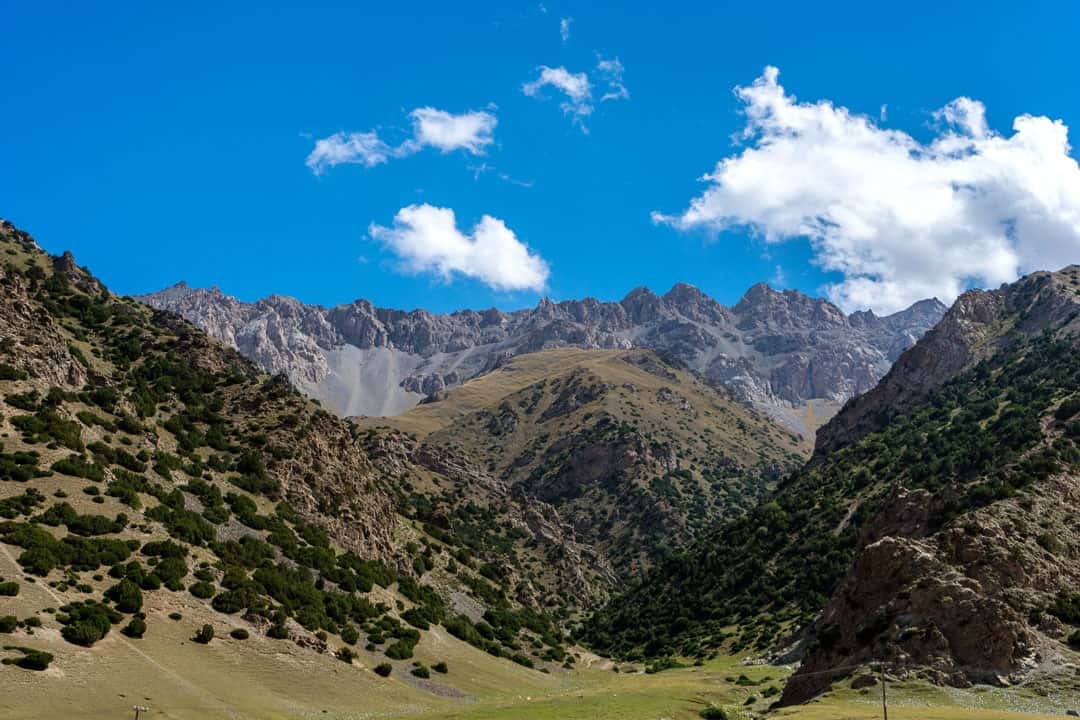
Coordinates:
(30,338)
(774,349)
(956,604)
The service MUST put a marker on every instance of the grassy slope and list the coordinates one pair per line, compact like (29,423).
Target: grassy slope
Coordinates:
(594,435)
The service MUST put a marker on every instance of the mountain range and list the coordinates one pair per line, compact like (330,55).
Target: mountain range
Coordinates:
(629,486)
(794,356)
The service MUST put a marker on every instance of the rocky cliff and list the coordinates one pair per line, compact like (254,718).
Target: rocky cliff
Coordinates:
(778,350)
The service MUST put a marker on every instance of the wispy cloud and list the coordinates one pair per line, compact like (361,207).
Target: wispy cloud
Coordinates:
(471,131)
(900,219)
(564,28)
(611,71)
(426,239)
(358,148)
(577,88)
(485,168)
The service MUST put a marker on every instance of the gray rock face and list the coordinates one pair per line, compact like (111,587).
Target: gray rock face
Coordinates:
(777,350)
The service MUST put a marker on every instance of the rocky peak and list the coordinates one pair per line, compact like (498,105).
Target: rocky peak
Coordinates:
(690,301)
(763,306)
(643,305)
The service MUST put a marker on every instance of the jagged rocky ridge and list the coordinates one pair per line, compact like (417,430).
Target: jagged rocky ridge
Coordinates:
(778,350)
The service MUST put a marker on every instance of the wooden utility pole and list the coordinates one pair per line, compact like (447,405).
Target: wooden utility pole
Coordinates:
(884,700)
(139,709)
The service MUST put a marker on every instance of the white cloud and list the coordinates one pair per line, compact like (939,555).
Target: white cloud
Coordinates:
(779,278)
(575,86)
(612,72)
(564,28)
(426,239)
(578,88)
(899,219)
(470,131)
(358,148)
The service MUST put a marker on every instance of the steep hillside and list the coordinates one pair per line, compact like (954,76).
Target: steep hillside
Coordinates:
(794,356)
(940,539)
(980,324)
(602,461)
(147,470)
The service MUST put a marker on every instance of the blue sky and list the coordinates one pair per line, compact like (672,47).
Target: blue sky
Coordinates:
(160,144)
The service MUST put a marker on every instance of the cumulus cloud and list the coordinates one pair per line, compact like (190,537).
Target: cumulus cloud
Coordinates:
(426,239)
(564,29)
(900,219)
(471,131)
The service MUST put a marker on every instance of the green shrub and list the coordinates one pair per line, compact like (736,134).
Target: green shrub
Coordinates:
(135,629)
(172,571)
(421,671)
(400,650)
(345,655)
(205,634)
(384,669)
(440,667)
(78,466)
(239,634)
(126,596)
(9,588)
(20,466)
(8,623)
(521,659)
(30,660)
(10,372)
(714,713)
(202,590)
(416,617)
(29,401)
(46,426)
(1066,607)
(86,622)
(350,634)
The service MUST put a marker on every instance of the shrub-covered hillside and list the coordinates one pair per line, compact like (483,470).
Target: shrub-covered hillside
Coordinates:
(980,455)
(138,457)
(573,470)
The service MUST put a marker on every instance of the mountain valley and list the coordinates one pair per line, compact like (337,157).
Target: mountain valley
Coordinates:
(583,510)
